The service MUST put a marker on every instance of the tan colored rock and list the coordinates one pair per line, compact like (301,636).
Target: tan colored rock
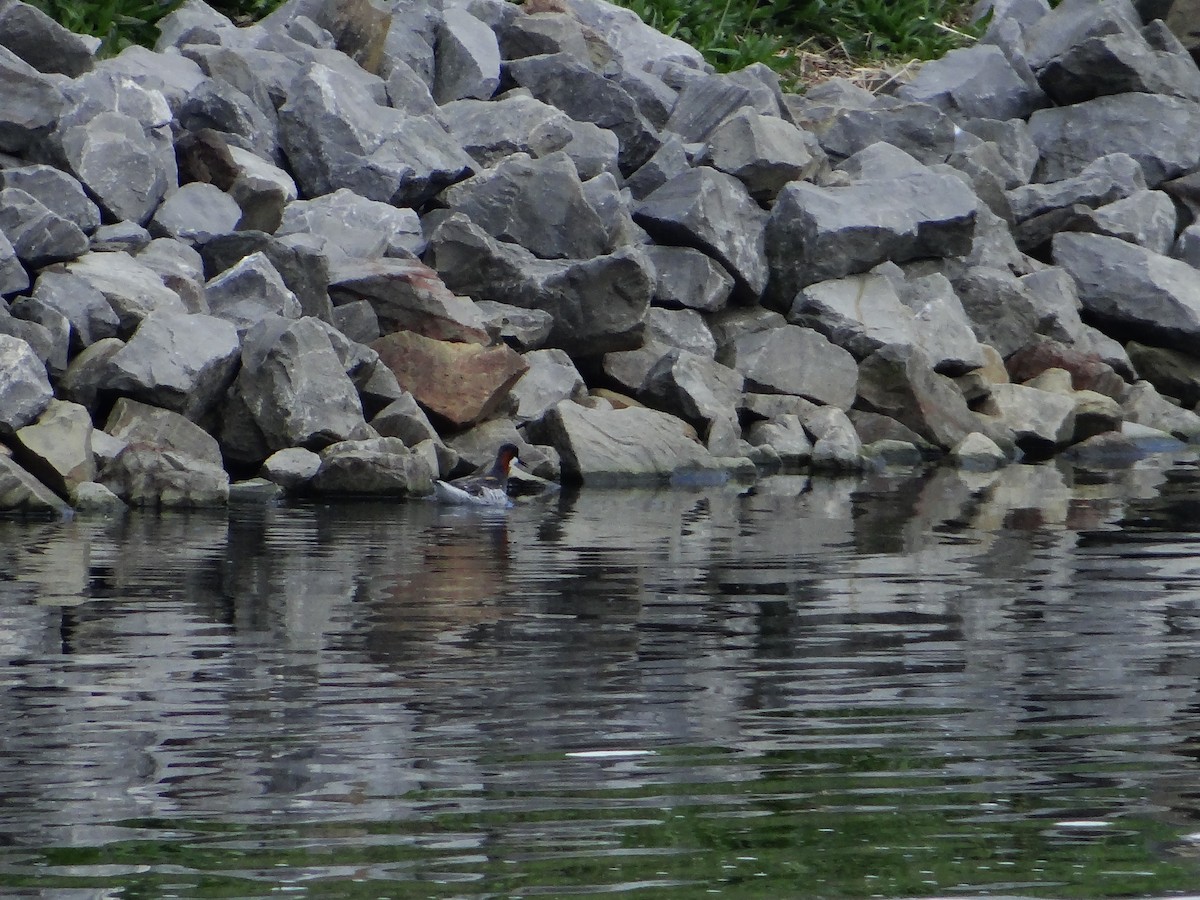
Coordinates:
(461,383)
(57,448)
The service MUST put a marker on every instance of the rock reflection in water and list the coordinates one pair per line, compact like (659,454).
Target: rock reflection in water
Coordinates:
(1023,632)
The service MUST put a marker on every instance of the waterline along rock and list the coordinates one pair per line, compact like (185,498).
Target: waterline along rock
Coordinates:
(350,250)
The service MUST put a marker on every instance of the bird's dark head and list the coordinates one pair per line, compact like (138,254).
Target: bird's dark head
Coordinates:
(505,457)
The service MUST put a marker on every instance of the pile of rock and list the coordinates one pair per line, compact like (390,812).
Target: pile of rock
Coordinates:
(348,250)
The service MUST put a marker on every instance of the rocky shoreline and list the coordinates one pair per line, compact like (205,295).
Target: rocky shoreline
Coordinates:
(346,250)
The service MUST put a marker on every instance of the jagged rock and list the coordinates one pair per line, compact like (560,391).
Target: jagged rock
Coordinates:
(292,468)
(21,492)
(1109,178)
(1146,218)
(999,307)
(217,106)
(139,424)
(195,213)
(599,445)
(81,382)
(1088,371)
(295,386)
(977,452)
(1095,414)
(686,278)
(1120,449)
(42,42)
(356,226)
(57,447)
(1141,294)
(793,360)
(468,58)
(521,329)
(404,419)
(337,136)
(45,329)
(407,296)
(815,234)
(145,475)
(536,203)
(1143,405)
(57,191)
(918,129)
(859,312)
(597,304)
(1162,133)
(461,383)
(538,33)
(261,190)
(636,44)
(248,291)
(697,388)
(93,497)
(32,104)
(972,82)
(712,212)
(836,445)
(132,289)
(943,329)
(898,381)
(704,103)
(377,466)
(628,369)
(357,321)
(785,435)
(587,96)
(1172,372)
(763,152)
(1082,51)
(120,237)
(300,260)
(669,160)
(179,361)
(1041,421)
(13,277)
(25,391)
(516,123)
(551,377)
(39,236)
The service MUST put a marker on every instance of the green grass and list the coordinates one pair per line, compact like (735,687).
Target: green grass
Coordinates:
(730,33)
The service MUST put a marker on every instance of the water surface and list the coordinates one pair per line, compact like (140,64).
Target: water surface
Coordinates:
(936,684)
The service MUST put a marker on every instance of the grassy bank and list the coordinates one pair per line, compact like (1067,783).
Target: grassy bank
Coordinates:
(794,37)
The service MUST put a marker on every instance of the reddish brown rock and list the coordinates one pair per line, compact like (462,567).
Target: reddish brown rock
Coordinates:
(460,383)
(1088,371)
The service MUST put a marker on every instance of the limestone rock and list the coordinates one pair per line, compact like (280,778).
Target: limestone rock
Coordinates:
(57,447)
(25,390)
(376,466)
(550,378)
(292,468)
(140,424)
(21,492)
(144,475)
(794,360)
(248,291)
(899,382)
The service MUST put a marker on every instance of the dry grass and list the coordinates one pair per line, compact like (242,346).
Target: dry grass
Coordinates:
(807,67)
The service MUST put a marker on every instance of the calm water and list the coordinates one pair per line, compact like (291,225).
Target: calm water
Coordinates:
(942,685)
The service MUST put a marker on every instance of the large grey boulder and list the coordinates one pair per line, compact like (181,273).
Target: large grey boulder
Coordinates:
(42,42)
(132,289)
(195,213)
(301,260)
(39,235)
(705,101)
(85,308)
(700,390)
(144,475)
(551,378)
(354,225)
(467,58)
(24,388)
(1133,291)
(818,233)
(714,213)
(1143,405)
(921,130)
(587,96)
(1001,309)
(179,361)
(46,329)
(13,277)
(30,106)
(1101,181)
(375,466)
(943,329)
(515,123)
(1041,421)
(57,191)
(248,291)
(763,152)
(133,422)
(21,492)
(974,82)
(57,447)
(686,278)
(793,360)
(597,304)
(536,203)
(1162,133)
(858,312)
(407,295)
(610,445)
(898,381)
(637,45)
(336,136)
(682,328)
(295,386)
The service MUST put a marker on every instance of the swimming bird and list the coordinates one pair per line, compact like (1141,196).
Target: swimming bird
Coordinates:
(485,488)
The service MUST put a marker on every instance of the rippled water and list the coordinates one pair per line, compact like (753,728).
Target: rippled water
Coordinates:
(936,685)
